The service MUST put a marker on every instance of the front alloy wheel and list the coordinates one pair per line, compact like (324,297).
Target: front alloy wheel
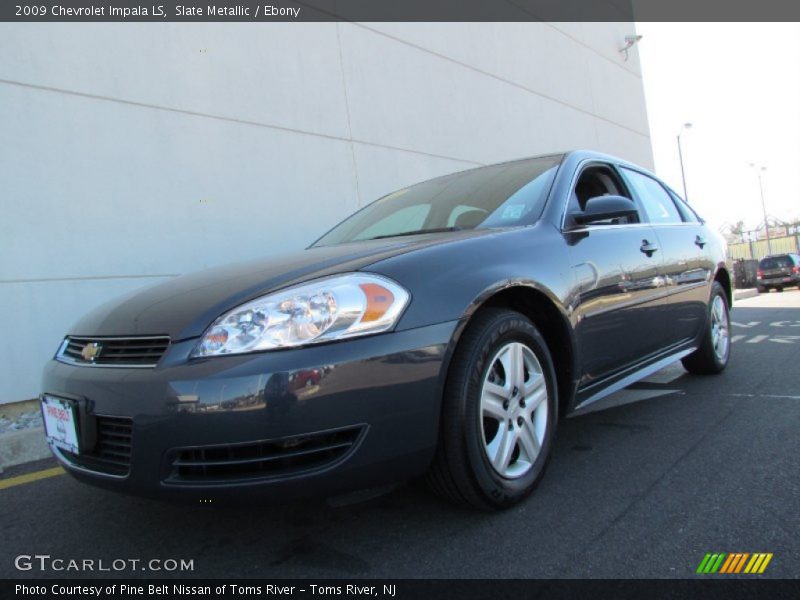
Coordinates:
(498,414)
(513,410)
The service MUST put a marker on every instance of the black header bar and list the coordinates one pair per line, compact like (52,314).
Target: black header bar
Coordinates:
(397,10)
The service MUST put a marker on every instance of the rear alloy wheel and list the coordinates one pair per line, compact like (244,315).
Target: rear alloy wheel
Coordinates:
(499,413)
(714,352)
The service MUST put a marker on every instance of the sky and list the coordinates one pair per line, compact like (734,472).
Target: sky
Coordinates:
(739,86)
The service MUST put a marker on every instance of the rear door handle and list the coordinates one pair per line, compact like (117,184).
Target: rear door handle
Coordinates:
(700,241)
(648,248)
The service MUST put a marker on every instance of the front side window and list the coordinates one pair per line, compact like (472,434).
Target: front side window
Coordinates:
(657,202)
(502,195)
(597,180)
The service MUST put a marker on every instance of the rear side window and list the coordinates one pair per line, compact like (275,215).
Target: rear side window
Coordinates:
(776,262)
(658,204)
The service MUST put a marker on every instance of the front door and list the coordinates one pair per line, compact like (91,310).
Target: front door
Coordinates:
(617,274)
(618,281)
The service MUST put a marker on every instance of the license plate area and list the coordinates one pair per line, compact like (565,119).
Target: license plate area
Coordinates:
(60,418)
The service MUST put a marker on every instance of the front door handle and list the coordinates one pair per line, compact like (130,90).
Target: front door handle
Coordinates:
(648,248)
(700,241)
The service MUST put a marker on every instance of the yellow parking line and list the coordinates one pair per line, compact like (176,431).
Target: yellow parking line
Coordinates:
(29,477)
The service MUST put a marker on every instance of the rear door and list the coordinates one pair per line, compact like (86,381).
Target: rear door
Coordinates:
(687,264)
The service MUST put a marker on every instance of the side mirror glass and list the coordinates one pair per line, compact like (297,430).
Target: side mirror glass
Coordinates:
(602,208)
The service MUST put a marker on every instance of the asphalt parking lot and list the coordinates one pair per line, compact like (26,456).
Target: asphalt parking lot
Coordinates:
(645,489)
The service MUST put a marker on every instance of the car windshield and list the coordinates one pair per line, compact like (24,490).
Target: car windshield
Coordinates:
(502,195)
(776,262)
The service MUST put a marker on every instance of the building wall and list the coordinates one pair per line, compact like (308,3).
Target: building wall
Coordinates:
(135,152)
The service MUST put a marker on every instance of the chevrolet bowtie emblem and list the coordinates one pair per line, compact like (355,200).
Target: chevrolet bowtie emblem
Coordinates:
(91,351)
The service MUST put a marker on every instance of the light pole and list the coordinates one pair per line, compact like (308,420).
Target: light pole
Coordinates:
(680,158)
(760,170)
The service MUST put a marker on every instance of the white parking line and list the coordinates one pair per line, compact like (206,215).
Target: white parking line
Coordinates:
(785,339)
(736,338)
(780,396)
(757,338)
(785,324)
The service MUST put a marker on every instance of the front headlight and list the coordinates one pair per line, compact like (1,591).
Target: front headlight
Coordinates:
(333,308)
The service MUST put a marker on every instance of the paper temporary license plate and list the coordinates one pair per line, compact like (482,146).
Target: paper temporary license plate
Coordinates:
(60,423)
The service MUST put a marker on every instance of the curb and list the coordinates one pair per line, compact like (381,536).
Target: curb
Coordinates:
(744,294)
(12,409)
(18,447)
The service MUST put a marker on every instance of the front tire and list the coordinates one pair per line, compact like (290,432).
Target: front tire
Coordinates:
(715,349)
(499,413)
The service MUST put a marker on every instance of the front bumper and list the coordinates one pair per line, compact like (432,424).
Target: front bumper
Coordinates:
(383,391)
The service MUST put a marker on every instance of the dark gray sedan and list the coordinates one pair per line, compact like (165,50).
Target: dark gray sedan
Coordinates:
(441,330)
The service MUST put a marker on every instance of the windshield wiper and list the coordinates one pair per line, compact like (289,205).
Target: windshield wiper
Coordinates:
(416,232)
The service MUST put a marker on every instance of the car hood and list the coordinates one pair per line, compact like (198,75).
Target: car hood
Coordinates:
(183,307)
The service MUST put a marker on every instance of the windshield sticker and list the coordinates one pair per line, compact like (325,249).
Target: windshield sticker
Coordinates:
(513,211)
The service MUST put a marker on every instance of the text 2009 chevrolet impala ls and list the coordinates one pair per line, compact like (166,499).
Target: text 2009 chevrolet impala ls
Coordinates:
(442,329)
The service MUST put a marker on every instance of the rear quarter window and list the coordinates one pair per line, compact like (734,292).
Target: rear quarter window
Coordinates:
(688,214)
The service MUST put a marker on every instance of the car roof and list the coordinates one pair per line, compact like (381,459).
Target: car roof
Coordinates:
(779,255)
(576,155)
(584,155)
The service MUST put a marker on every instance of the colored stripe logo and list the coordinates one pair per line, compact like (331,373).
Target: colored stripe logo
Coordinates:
(734,562)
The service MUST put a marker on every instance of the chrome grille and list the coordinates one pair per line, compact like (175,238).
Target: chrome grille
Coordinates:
(112,452)
(255,460)
(143,351)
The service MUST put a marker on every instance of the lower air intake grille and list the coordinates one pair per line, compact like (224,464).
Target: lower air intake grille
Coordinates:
(262,459)
(113,352)
(112,453)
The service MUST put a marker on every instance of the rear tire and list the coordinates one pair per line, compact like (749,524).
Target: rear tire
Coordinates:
(715,348)
(779,289)
(499,413)
(761,290)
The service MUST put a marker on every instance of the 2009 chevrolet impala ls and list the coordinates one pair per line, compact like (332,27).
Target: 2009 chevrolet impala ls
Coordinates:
(443,329)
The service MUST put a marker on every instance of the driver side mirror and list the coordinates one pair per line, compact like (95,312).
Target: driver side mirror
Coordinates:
(602,208)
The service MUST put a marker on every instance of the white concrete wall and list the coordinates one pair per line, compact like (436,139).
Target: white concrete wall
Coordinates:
(133,152)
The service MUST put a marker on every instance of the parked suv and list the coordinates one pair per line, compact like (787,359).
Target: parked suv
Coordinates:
(778,271)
